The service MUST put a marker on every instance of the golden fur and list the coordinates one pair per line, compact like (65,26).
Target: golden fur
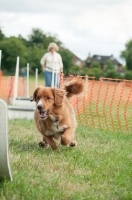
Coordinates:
(54,115)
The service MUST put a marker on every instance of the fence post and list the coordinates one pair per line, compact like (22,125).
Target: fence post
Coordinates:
(36,78)
(16,81)
(27,79)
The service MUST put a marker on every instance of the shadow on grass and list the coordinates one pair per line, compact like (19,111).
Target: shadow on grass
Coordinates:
(24,146)
(29,146)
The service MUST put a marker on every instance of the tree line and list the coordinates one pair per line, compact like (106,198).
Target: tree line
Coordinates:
(31,49)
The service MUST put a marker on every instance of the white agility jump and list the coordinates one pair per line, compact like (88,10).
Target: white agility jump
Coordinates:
(5,170)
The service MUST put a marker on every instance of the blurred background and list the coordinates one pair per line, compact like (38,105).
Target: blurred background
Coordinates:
(95,37)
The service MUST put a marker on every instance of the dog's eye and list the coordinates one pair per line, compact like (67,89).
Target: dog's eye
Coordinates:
(48,98)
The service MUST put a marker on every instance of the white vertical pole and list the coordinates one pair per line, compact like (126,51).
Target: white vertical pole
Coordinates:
(52,82)
(36,78)
(16,81)
(5,170)
(27,79)
(56,79)
(0,58)
(53,72)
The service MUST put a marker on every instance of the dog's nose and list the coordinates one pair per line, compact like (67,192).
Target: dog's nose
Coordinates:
(39,107)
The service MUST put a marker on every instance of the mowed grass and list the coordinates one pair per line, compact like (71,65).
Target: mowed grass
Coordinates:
(99,167)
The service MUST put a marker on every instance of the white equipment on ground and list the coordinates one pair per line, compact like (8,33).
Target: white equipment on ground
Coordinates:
(5,170)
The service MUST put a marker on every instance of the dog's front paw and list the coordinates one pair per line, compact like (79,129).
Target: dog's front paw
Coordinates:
(63,128)
(73,144)
(42,144)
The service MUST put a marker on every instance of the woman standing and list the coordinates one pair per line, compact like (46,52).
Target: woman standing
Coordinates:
(51,63)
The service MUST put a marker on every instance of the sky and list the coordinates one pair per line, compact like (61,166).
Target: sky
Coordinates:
(100,27)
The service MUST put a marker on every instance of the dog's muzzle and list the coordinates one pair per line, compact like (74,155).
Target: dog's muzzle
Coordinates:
(43,113)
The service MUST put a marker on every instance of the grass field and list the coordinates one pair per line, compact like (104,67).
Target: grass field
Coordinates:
(100,167)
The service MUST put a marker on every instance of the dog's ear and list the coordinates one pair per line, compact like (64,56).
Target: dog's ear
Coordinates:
(35,93)
(59,96)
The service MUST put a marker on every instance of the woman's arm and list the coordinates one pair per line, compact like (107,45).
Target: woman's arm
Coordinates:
(43,67)
(43,61)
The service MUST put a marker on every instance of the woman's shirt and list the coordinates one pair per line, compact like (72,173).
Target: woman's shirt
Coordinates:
(52,60)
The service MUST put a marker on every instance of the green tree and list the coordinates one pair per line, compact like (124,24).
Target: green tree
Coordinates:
(36,37)
(127,55)
(109,65)
(12,48)
(96,65)
(24,41)
(128,75)
(67,60)
(96,72)
(48,38)
(34,56)
(74,69)
(42,40)
(1,35)
(111,73)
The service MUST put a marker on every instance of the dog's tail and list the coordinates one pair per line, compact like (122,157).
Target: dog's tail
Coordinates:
(74,87)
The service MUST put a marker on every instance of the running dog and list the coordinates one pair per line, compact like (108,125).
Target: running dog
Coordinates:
(54,115)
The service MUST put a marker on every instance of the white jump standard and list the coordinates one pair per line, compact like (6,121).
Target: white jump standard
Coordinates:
(5,171)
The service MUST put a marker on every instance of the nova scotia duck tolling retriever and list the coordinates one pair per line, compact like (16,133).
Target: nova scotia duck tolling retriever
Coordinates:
(54,115)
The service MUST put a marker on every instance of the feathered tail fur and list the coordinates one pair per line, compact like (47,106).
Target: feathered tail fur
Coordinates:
(74,87)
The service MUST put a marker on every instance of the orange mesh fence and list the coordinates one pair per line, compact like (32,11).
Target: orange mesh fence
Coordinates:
(104,104)
(7,87)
